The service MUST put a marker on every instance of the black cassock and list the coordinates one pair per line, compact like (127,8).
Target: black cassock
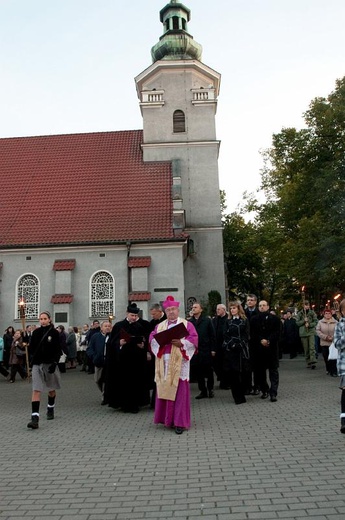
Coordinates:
(126,382)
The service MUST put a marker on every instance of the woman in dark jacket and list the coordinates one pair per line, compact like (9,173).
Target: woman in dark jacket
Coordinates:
(71,343)
(8,338)
(17,357)
(236,351)
(45,352)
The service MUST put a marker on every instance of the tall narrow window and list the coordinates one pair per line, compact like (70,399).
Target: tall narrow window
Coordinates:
(102,295)
(179,121)
(175,23)
(28,290)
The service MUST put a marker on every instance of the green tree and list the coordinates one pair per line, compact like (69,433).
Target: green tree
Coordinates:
(242,257)
(304,180)
(214,298)
(298,235)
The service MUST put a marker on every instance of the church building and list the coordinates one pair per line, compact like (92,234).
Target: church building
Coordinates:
(89,222)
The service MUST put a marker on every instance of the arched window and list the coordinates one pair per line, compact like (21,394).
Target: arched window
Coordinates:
(102,295)
(179,121)
(190,302)
(28,290)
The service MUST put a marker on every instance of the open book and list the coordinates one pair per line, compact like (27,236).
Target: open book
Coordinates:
(177,332)
(129,338)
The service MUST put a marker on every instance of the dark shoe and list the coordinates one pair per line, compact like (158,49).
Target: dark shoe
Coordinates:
(50,414)
(33,424)
(202,395)
(255,392)
(313,367)
(241,401)
(11,381)
(264,395)
(130,410)
(178,430)
(211,394)
(104,402)
(273,399)
(342,427)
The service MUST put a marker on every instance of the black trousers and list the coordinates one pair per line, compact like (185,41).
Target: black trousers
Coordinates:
(15,369)
(3,370)
(273,375)
(238,384)
(331,365)
(204,372)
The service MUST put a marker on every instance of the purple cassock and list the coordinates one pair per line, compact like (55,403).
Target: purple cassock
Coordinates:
(174,411)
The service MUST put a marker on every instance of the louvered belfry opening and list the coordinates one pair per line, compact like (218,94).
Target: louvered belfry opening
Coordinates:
(179,121)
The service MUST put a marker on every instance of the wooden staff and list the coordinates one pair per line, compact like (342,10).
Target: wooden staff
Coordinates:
(304,311)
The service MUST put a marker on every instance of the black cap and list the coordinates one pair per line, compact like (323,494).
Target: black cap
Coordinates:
(133,309)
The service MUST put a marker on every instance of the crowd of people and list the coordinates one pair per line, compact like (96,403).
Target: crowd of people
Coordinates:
(137,363)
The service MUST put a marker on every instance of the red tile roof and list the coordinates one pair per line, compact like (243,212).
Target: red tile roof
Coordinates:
(82,189)
(64,265)
(139,296)
(139,261)
(62,298)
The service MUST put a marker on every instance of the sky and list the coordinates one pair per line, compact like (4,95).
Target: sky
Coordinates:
(69,67)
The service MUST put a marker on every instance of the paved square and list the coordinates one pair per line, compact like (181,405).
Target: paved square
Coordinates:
(259,460)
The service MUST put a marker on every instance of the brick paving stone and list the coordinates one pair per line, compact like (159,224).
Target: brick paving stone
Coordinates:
(260,460)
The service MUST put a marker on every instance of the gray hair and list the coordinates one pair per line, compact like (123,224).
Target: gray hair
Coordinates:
(156,307)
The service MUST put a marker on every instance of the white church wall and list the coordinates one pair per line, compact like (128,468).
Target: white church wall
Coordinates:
(166,271)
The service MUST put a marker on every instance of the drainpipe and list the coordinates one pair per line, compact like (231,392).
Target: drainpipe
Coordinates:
(129,273)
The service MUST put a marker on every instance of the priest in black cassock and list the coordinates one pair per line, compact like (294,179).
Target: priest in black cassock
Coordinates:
(126,363)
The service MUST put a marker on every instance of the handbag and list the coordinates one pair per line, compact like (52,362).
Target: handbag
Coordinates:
(20,352)
(332,352)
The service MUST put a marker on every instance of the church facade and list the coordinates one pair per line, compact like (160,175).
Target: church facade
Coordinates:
(141,216)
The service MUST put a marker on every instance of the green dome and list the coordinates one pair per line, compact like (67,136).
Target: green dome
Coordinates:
(176,43)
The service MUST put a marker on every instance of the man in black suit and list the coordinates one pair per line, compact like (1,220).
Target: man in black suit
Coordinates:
(251,310)
(157,315)
(265,333)
(218,323)
(203,359)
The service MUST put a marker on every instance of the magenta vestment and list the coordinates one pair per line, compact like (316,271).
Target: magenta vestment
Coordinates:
(176,413)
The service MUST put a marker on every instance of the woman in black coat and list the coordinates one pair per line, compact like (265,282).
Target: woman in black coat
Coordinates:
(8,338)
(236,351)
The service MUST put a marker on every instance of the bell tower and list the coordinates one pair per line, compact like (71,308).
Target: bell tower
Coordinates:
(178,101)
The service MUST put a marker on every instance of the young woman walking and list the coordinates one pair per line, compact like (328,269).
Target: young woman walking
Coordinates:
(45,352)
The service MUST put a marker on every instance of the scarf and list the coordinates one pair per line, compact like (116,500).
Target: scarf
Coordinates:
(167,386)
